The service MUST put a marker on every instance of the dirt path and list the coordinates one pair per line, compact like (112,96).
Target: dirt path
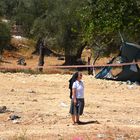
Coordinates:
(42,102)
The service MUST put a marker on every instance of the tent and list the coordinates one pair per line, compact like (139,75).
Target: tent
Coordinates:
(129,52)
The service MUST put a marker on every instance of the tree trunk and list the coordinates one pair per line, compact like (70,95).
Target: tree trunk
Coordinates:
(41,55)
(80,50)
(71,59)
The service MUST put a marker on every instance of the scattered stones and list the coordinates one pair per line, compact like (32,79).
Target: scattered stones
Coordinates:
(120,82)
(14,117)
(101,136)
(130,87)
(120,137)
(132,83)
(136,83)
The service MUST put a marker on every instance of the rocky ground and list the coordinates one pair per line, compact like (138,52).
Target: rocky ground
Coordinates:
(112,110)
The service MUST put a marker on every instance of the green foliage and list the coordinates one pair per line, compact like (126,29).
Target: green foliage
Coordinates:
(7,7)
(4,35)
(106,18)
(67,25)
(61,24)
(26,12)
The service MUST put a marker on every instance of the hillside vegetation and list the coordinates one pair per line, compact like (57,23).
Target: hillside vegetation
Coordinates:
(70,26)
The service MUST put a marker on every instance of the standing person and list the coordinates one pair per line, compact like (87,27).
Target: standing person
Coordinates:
(71,81)
(77,101)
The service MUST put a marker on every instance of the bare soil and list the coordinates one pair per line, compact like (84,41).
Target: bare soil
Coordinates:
(112,109)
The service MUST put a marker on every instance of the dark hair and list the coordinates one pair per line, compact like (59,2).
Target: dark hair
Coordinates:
(71,81)
(76,76)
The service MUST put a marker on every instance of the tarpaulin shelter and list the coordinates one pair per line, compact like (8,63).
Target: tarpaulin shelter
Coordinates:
(129,53)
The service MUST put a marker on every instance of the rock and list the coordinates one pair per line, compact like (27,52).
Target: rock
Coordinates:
(114,110)
(35,100)
(63,104)
(12,90)
(136,83)
(130,87)
(128,82)
(120,83)
(3,109)
(101,136)
(31,91)
(16,121)
(21,103)
(98,106)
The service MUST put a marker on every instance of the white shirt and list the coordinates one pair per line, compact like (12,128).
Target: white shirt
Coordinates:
(79,86)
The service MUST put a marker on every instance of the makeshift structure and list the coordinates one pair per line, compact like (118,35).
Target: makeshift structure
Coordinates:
(129,53)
